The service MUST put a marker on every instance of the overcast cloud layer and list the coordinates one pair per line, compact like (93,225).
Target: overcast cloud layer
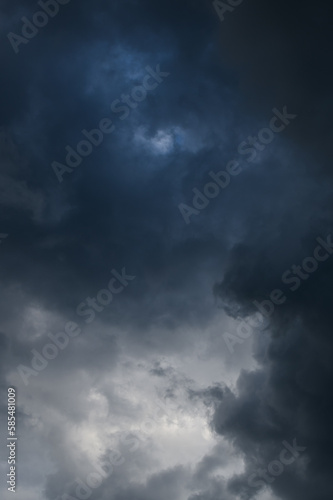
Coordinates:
(159,389)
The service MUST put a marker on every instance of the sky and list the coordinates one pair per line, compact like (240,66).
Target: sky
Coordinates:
(166,250)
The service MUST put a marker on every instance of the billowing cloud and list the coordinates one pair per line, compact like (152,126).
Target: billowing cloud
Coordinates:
(115,305)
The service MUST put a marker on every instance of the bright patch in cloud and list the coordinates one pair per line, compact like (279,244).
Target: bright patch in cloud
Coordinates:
(161,143)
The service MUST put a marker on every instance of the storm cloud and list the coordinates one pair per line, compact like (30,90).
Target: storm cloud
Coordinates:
(117,119)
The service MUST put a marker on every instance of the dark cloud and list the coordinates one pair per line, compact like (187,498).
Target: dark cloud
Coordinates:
(159,344)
